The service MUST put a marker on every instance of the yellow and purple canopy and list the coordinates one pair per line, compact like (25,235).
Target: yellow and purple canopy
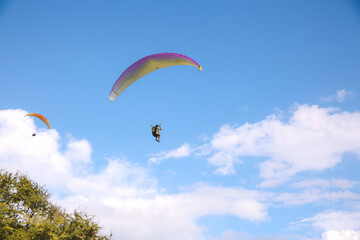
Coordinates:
(147,65)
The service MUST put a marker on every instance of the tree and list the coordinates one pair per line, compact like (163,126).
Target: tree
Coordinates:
(27,213)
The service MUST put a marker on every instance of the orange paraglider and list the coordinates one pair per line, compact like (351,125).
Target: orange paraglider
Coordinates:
(41,117)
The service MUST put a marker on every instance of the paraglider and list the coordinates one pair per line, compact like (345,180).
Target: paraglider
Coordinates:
(147,65)
(41,117)
(156,132)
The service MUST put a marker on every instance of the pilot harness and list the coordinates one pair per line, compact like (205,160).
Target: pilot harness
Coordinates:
(155,131)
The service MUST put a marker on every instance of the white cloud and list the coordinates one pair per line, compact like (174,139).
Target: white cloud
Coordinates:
(164,216)
(78,151)
(313,138)
(340,96)
(341,235)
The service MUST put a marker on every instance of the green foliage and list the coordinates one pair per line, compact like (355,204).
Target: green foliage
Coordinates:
(27,213)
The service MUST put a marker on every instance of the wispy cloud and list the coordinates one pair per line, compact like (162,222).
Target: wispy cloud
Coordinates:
(314,196)
(183,151)
(334,220)
(339,96)
(322,183)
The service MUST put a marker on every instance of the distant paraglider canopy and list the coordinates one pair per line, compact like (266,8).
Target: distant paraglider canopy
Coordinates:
(147,65)
(40,117)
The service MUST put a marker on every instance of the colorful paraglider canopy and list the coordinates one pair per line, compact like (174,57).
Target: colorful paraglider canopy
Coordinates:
(147,65)
(41,117)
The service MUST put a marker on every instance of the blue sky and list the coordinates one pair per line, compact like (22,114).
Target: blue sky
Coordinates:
(262,144)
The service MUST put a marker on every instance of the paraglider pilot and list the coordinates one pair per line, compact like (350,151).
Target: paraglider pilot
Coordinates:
(156,132)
